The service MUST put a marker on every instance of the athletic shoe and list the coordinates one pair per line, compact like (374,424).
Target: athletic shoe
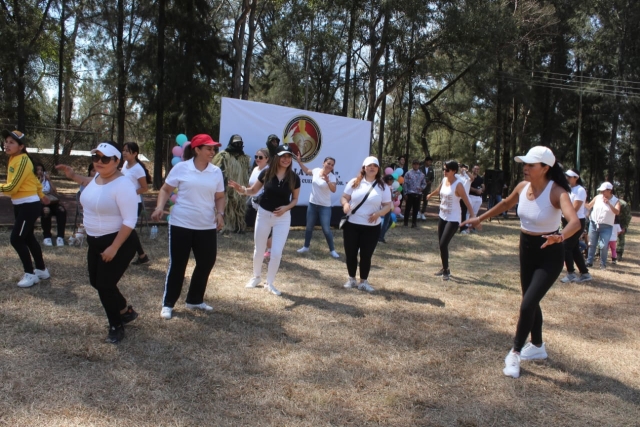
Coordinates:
(272,289)
(253,282)
(141,261)
(202,306)
(129,316)
(570,277)
(512,364)
(28,280)
(614,261)
(47,242)
(365,286)
(446,274)
(166,312)
(465,231)
(267,254)
(382,241)
(589,264)
(351,283)
(303,250)
(334,254)
(439,273)
(603,267)
(584,278)
(116,334)
(59,241)
(531,352)
(42,274)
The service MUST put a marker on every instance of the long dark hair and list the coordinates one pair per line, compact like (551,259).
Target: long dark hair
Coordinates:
(556,174)
(133,147)
(579,181)
(362,174)
(289,175)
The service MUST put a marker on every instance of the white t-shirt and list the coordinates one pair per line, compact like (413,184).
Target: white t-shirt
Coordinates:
(320,192)
(466,181)
(579,193)
(374,202)
(254,178)
(601,212)
(108,207)
(196,201)
(614,232)
(134,173)
(46,186)
(450,202)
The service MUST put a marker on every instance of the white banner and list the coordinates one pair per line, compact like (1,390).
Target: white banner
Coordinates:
(315,135)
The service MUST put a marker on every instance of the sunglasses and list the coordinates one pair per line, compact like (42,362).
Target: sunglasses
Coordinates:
(446,170)
(104,159)
(259,157)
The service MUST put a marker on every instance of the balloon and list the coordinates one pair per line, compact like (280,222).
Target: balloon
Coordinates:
(399,196)
(393,225)
(396,211)
(399,189)
(175,161)
(175,190)
(170,209)
(399,171)
(394,218)
(173,198)
(388,171)
(396,203)
(400,180)
(395,175)
(177,151)
(395,185)
(168,218)
(181,139)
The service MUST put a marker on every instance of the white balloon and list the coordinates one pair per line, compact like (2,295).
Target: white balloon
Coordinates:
(395,185)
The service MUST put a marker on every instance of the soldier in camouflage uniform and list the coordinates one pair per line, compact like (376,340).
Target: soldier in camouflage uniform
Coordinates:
(624,218)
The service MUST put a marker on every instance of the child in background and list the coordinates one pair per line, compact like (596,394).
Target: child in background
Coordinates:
(613,242)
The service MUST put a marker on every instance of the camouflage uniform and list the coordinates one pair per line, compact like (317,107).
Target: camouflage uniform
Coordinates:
(624,218)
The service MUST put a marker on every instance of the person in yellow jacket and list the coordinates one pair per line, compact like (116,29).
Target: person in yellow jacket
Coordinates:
(27,197)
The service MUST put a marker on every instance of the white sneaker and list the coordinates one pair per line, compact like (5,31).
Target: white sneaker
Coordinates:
(365,286)
(272,289)
(253,282)
(351,283)
(59,241)
(465,231)
(202,306)
(303,250)
(570,277)
(28,280)
(47,242)
(334,254)
(42,274)
(531,352)
(512,364)
(166,312)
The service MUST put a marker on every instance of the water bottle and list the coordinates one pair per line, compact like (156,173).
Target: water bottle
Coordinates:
(154,231)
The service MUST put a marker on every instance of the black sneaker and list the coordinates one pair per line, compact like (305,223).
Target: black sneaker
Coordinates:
(446,274)
(116,334)
(614,261)
(589,264)
(141,261)
(129,316)
(440,272)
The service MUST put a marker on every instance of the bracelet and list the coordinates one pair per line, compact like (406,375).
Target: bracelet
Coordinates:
(244,190)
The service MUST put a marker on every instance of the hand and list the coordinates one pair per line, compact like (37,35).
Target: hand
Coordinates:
(473,221)
(325,177)
(109,254)
(298,158)
(280,210)
(373,217)
(346,208)
(236,186)
(157,214)
(67,170)
(45,200)
(552,239)
(219,221)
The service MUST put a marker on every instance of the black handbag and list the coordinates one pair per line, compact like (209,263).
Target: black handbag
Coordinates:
(344,218)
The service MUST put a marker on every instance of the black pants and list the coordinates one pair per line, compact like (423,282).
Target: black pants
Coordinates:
(572,250)
(22,238)
(363,238)
(463,214)
(250,214)
(104,276)
(425,202)
(539,269)
(413,202)
(57,210)
(446,231)
(181,242)
(139,248)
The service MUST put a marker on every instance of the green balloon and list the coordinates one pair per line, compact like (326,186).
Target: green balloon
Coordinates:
(399,190)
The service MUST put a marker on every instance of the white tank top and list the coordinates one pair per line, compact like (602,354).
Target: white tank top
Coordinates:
(538,215)
(449,202)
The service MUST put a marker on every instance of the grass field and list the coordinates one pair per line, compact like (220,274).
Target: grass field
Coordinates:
(417,352)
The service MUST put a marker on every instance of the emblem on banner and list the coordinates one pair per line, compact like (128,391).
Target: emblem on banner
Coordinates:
(303,135)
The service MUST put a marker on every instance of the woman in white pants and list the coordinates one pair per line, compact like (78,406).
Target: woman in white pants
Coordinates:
(281,190)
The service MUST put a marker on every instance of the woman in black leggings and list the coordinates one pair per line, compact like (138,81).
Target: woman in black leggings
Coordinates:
(541,198)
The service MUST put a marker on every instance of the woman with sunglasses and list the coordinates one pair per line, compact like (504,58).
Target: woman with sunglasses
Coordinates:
(139,176)
(281,189)
(262,162)
(372,198)
(27,198)
(195,219)
(542,198)
(452,191)
(110,204)
(319,208)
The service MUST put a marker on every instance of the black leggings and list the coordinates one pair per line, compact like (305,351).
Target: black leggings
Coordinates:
(22,238)
(572,250)
(446,231)
(57,210)
(539,269)
(363,238)
(181,242)
(104,276)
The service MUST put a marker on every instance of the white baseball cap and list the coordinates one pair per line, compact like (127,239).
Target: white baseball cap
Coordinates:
(371,160)
(107,150)
(605,186)
(538,154)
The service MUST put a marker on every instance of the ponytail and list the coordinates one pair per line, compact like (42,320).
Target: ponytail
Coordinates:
(556,174)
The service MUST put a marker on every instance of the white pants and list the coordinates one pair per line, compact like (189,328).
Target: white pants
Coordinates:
(476,202)
(265,222)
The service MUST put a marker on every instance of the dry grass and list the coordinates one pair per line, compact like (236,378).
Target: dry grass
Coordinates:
(418,352)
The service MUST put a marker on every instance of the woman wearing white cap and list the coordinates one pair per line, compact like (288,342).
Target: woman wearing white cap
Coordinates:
(604,208)
(366,199)
(542,198)
(281,189)
(194,222)
(110,207)
(572,252)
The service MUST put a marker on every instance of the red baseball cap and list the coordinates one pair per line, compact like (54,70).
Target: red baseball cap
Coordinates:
(203,139)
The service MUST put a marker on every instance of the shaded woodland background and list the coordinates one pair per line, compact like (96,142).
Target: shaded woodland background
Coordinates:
(476,80)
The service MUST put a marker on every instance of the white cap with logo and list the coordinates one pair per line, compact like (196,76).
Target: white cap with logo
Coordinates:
(538,154)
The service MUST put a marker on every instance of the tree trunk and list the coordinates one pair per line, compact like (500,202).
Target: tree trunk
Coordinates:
(158,154)
(238,43)
(347,73)
(498,132)
(249,54)
(383,111)
(56,141)
(122,78)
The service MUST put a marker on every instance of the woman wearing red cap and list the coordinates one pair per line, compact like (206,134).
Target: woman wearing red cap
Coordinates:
(195,218)
(542,197)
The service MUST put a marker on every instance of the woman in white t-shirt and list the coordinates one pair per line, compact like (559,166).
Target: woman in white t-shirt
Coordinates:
(572,252)
(262,162)
(139,176)
(195,219)
(604,208)
(452,190)
(362,229)
(109,204)
(323,184)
